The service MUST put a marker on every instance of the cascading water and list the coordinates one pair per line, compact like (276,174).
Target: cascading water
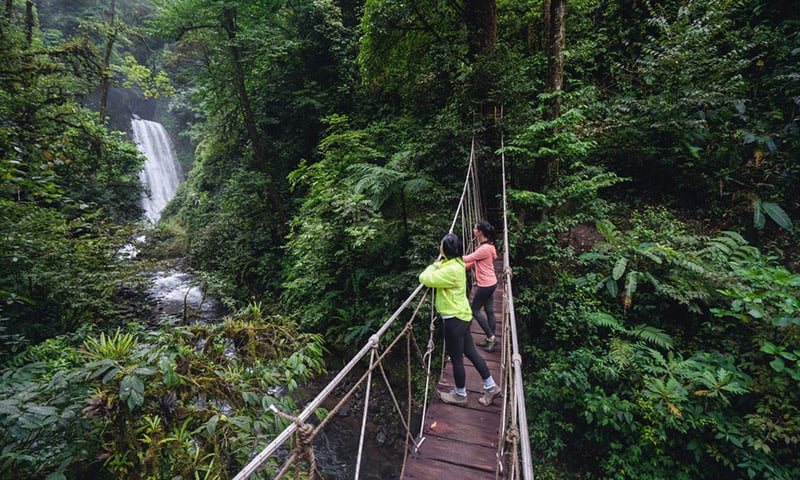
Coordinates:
(161,173)
(175,293)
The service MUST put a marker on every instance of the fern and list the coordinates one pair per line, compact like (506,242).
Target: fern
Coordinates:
(604,320)
(621,352)
(653,335)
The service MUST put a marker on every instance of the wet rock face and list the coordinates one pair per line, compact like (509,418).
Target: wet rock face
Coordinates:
(178,294)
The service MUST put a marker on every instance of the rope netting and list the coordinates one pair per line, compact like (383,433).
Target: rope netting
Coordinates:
(468,212)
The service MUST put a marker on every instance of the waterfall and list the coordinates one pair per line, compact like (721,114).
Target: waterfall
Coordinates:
(161,173)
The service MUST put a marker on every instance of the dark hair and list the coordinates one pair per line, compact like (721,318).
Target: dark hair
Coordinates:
(487,229)
(452,246)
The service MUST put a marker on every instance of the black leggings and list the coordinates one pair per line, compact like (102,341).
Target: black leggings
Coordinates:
(484,298)
(459,344)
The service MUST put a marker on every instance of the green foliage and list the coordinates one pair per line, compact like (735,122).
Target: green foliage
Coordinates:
(65,183)
(689,366)
(572,200)
(336,238)
(656,351)
(59,273)
(232,235)
(773,211)
(412,50)
(158,404)
(153,84)
(292,59)
(696,125)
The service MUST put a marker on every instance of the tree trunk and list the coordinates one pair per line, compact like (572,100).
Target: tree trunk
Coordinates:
(546,24)
(105,75)
(555,14)
(480,18)
(28,21)
(259,152)
(556,40)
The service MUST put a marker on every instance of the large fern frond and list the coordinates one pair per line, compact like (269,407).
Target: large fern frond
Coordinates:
(601,319)
(652,335)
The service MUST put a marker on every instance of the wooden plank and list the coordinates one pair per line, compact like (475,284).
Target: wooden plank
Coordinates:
(434,469)
(444,459)
(474,425)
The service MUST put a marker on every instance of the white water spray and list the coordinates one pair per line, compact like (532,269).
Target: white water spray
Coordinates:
(161,173)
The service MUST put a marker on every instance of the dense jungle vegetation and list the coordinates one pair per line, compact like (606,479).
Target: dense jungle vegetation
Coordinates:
(654,188)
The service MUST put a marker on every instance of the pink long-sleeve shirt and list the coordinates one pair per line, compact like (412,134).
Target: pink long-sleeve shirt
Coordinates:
(483,261)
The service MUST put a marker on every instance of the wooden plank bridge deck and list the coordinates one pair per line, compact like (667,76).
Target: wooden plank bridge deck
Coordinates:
(462,442)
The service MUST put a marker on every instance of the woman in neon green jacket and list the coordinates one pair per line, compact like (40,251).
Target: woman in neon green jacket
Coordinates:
(449,278)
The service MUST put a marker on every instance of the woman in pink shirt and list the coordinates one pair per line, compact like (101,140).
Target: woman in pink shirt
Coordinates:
(482,259)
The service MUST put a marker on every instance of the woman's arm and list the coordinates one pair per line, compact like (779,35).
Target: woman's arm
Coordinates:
(479,254)
(438,275)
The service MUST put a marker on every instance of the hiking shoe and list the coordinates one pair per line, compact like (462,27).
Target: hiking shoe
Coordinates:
(490,344)
(489,395)
(452,398)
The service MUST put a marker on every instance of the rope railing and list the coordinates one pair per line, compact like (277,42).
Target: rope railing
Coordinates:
(469,210)
(522,461)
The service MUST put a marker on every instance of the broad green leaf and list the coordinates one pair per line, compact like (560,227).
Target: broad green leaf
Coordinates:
(769,347)
(785,321)
(619,268)
(211,424)
(7,407)
(593,256)
(758,214)
(631,283)
(146,371)
(170,377)
(777,214)
(131,390)
(612,287)
(770,144)
(777,364)
(42,410)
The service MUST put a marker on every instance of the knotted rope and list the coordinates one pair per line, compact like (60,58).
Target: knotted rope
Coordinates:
(303,448)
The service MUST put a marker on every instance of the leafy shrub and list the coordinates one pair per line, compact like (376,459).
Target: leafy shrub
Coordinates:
(173,403)
(671,353)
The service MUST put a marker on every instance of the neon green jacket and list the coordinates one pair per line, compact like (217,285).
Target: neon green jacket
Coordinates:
(449,278)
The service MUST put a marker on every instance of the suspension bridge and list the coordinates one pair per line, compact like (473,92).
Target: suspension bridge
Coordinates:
(472,442)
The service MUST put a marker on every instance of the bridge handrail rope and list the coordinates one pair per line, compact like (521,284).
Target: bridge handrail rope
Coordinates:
(519,418)
(470,211)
